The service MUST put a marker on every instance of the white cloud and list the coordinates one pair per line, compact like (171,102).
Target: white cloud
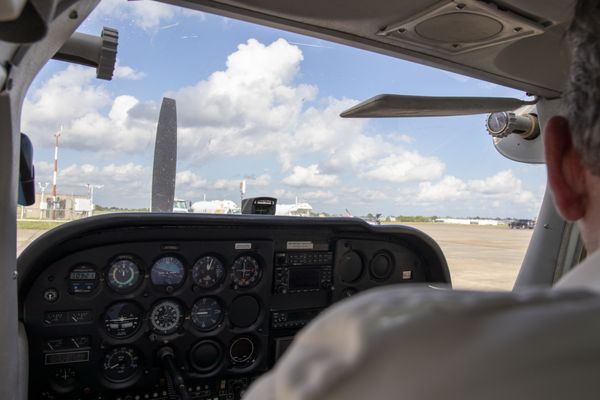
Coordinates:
(252,107)
(449,188)
(309,177)
(260,181)
(65,96)
(502,182)
(190,185)
(125,72)
(283,194)
(503,187)
(404,167)
(148,15)
(320,195)
(249,108)
(128,180)
(70,99)
(363,196)
(189,180)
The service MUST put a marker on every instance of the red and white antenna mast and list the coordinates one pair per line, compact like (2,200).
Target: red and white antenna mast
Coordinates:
(56,136)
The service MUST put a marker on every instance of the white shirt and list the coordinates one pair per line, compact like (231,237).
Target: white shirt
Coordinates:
(584,276)
(418,343)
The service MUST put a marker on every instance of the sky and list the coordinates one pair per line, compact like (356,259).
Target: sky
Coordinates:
(262,105)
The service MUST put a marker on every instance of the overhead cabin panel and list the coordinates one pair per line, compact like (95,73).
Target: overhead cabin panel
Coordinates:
(470,37)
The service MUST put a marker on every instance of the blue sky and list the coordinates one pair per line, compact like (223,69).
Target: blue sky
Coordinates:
(262,105)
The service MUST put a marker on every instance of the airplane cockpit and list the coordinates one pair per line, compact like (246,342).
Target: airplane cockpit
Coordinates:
(137,307)
(163,305)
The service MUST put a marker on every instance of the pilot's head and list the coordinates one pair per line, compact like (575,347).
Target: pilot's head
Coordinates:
(572,143)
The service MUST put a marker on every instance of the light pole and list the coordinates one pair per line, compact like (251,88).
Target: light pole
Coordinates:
(43,204)
(242,192)
(55,174)
(91,194)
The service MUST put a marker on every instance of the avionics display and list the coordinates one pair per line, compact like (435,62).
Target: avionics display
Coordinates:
(304,279)
(303,272)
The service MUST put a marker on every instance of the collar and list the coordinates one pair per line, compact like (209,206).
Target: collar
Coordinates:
(585,275)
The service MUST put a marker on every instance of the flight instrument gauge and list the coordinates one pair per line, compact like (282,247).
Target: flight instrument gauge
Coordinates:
(207,313)
(123,319)
(166,317)
(242,351)
(64,380)
(167,271)
(246,272)
(123,275)
(208,272)
(121,364)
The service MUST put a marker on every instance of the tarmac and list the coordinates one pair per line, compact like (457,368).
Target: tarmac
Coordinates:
(25,237)
(479,257)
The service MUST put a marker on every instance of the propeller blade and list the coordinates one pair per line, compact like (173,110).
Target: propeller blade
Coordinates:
(165,158)
(393,105)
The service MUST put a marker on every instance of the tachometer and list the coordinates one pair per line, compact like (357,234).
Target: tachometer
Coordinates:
(166,317)
(208,272)
(121,364)
(207,313)
(246,271)
(123,275)
(167,271)
(123,319)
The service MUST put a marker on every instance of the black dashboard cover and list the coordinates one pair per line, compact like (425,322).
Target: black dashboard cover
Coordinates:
(129,226)
(102,297)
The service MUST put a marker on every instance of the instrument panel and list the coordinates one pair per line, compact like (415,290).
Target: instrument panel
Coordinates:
(224,298)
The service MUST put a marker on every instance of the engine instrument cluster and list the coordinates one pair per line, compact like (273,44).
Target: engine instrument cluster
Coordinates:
(99,318)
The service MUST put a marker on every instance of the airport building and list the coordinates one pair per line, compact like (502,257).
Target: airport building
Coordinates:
(70,206)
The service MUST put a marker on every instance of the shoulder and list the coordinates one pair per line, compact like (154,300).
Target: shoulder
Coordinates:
(402,338)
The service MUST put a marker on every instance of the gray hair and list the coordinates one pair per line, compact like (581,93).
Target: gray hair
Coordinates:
(582,98)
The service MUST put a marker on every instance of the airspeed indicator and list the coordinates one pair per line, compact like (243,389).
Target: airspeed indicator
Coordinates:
(123,275)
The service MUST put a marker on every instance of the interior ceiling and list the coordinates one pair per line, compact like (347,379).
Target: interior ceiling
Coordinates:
(518,43)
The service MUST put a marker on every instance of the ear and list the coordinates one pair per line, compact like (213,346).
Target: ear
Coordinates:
(566,174)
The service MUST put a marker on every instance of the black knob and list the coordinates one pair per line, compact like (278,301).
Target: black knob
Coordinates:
(381,266)
(350,267)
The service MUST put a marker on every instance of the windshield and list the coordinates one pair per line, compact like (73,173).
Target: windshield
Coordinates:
(258,115)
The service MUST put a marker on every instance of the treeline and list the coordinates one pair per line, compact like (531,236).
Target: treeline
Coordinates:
(409,218)
(98,207)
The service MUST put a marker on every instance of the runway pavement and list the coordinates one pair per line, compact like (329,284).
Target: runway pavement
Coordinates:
(479,257)
(25,237)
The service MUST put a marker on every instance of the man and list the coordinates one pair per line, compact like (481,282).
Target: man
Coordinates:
(423,344)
